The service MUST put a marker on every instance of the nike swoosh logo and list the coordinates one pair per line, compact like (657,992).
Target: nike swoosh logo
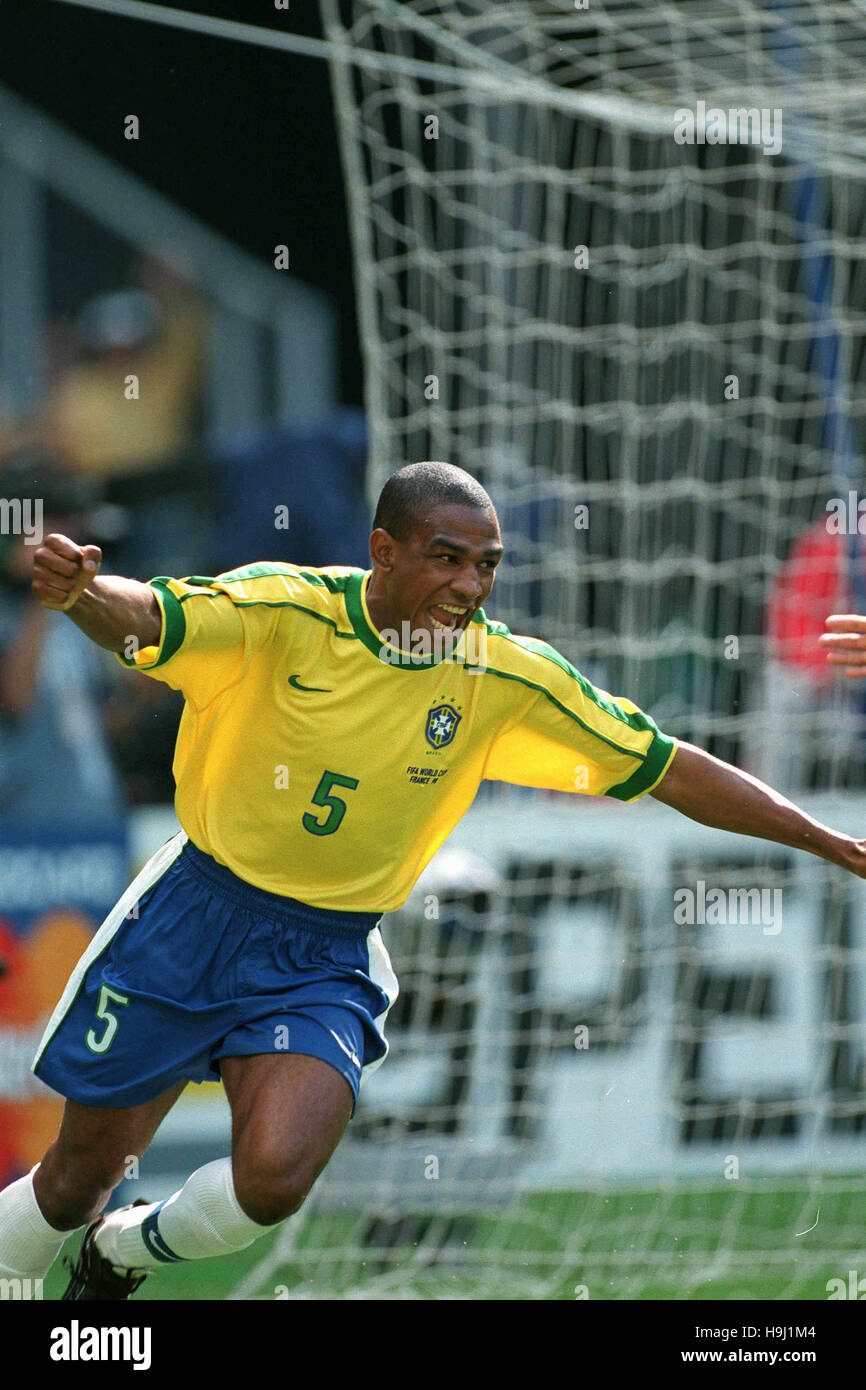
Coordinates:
(295,683)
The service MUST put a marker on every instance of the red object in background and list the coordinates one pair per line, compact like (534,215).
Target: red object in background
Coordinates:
(809,587)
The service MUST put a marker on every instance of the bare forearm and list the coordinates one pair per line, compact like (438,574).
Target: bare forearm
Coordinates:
(114,611)
(726,798)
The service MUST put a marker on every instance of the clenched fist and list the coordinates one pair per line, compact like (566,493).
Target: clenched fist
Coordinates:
(62,570)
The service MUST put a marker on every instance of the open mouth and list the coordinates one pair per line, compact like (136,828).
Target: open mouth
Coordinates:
(447,617)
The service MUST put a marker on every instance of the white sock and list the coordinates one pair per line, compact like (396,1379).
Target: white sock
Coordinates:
(204,1218)
(28,1245)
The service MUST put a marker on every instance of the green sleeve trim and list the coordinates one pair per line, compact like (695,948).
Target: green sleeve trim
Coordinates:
(174,625)
(173,628)
(651,771)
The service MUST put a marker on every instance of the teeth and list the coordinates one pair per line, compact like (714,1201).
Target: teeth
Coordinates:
(448,608)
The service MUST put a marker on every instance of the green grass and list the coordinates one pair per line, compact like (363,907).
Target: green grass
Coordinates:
(694,1243)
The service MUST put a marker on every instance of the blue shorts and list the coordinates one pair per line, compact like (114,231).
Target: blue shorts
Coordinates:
(193,964)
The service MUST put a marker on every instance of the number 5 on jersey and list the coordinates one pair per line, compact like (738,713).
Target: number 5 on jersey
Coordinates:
(323,796)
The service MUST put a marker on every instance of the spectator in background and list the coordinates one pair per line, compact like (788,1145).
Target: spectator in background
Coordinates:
(51,688)
(294,493)
(127,417)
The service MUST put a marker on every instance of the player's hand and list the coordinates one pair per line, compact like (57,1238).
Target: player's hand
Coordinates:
(857,858)
(62,570)
(845,642)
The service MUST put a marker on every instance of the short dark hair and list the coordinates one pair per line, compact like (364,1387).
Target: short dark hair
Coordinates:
(412,490)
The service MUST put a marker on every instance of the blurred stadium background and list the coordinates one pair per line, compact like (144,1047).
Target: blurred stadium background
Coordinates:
(651,353)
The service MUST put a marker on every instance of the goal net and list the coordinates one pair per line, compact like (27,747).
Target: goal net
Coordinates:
(610,259)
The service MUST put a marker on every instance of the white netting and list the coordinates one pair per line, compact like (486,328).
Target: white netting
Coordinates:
(689,379)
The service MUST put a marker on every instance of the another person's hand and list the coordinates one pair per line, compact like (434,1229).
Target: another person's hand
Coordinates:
(62,570)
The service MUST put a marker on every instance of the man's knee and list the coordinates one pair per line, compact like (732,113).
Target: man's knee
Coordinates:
(72,1189)
(288,1114)
(269,1189)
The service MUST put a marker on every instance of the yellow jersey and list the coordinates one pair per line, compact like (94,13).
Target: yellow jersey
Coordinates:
(318,760)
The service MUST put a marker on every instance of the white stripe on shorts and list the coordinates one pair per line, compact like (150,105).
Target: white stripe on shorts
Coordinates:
(382,974)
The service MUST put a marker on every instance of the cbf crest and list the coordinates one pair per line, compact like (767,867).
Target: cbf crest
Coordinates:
(442,722)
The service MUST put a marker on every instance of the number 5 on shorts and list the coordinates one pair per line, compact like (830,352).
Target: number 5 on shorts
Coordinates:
(106,996)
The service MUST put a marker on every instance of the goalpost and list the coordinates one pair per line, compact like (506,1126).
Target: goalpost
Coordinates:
(610,259)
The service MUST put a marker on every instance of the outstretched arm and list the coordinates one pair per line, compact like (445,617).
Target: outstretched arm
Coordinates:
(110,610)
(716,794)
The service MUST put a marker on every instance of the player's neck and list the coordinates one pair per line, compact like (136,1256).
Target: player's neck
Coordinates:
(378,608)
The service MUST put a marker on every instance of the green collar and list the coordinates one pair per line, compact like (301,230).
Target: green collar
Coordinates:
(421,656)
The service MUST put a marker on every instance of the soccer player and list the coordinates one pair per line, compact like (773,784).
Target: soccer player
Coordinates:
(337,725)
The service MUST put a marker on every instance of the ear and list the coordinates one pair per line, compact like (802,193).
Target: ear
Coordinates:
(382,547)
